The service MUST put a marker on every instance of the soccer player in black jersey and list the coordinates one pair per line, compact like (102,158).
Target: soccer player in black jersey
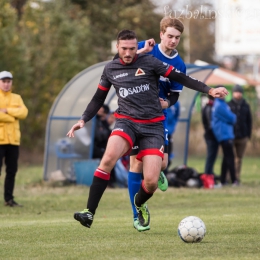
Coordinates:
(139,115)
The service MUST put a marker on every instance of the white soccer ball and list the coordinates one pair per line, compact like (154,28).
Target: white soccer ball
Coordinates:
(192,229)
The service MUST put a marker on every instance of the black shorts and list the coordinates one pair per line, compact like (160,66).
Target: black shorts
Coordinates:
(150,136)
(135,149)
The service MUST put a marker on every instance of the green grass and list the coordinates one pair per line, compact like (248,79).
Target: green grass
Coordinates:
(45,229)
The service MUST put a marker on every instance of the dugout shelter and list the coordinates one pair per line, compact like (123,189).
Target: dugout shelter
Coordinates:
(60,152)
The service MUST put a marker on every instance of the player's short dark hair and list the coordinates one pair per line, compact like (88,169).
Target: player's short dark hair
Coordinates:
(126,35)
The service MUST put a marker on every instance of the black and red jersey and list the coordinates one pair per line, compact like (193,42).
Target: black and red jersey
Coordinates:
(136,86)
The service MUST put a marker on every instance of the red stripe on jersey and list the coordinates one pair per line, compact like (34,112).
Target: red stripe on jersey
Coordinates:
(151,151)
(126,137)
(102,174)
(168,71)
(102,88)
(142,121)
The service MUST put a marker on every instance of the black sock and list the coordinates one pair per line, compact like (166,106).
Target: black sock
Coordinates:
(142,196)
(95,193)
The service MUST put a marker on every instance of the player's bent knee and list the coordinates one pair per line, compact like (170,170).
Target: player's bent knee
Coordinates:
(151,186)
(151,181)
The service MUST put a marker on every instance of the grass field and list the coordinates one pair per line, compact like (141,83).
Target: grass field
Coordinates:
(45,229)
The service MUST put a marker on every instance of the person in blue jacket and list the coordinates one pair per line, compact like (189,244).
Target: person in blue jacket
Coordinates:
(210,139)
(222,121)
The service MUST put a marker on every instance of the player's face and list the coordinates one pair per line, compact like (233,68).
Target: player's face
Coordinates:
(127,50)
(171,38)
(5,84)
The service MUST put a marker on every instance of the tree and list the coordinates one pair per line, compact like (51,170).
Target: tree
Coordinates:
(18,5)
(57,40)
(109,17)
(46,43)
(202,35)
(11,48)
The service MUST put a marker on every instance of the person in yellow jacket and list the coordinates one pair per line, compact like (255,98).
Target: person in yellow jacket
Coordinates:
(12,109)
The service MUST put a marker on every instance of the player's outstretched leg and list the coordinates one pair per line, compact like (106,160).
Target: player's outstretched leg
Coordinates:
(85,217)
(162,182)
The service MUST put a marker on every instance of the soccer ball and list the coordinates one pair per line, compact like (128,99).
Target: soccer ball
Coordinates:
(191,229)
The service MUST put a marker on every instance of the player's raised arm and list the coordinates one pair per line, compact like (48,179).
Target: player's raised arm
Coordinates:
(149,44)
(195,84)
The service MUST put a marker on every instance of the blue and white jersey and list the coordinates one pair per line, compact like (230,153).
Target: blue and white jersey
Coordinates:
(166,85)
(176,61)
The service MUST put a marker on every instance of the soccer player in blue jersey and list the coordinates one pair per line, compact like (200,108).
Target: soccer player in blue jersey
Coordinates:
(139,116)
(170,34)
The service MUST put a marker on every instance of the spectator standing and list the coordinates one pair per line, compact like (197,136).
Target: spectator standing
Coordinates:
(242,128)
(210,139)
(222,123)
(12,109)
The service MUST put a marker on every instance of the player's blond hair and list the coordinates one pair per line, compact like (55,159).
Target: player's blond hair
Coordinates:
(171,22)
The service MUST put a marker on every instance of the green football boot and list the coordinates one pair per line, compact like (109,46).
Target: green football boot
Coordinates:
(162,182)
(138,227)
(143,214)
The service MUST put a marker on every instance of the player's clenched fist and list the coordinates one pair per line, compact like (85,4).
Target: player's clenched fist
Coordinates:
(218,92)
